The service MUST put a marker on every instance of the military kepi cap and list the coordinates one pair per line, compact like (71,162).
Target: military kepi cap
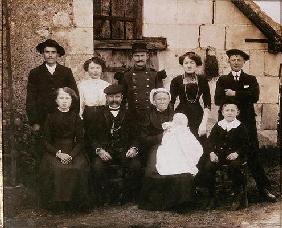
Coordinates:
(231,52)
(139,46)
(113,89)
(50,43)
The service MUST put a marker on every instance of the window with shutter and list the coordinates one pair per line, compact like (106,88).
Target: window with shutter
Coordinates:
(117,19)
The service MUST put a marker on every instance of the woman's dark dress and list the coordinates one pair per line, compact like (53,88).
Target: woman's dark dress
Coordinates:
(189,96)
(161,192)
(59,182)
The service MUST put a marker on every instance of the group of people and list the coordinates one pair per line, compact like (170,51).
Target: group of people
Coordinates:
(89,128)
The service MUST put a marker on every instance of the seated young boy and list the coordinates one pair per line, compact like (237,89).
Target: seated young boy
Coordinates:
(228,145)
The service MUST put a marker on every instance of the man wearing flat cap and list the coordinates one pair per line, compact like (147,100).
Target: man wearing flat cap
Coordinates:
(44,80)
(113,143)
(139,80)
(244,89)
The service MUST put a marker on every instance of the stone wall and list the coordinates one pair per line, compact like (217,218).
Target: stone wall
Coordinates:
(187,25)
(197,24)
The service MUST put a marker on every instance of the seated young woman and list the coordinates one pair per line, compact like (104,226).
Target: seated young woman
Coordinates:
(167,184)
(64,168)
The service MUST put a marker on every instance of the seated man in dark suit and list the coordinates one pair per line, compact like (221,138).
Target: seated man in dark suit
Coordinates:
(114,144)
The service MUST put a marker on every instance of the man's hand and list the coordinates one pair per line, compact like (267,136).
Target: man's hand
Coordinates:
(232,156)
(104,155)
(230,92)
(213,157)
(35,127)
(131,153)
(65,158)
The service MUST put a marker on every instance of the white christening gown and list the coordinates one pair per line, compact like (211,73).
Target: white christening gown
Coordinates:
(179,152)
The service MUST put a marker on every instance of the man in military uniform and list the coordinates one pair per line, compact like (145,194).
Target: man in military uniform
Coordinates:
(244,88)
(114,144)
(139,80)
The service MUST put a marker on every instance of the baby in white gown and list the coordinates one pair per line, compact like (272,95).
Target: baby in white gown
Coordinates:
(179,151)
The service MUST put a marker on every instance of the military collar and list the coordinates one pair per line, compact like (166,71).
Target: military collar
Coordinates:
(140,69)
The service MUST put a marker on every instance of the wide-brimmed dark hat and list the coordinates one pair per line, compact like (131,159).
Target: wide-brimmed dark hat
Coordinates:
(113,89)
(50,43)
(231,52)
(139,46)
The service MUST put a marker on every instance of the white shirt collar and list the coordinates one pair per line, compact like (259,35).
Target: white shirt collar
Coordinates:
(238,73)
(225,125)
(51,69)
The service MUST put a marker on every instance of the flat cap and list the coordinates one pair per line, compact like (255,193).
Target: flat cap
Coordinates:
(231,52)
(50,43)
(113,89)
(139,46)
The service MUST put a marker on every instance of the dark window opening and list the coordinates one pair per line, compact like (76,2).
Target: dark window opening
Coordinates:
(117,19)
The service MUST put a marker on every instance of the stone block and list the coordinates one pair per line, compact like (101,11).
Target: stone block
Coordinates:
(272,64)
(236,35)
(61,19)
(83,13)
(178,36)
(212,35)
(267,138)
(162,30)
(188,36)
(159,12)
(269,116)
(194,12)
(258,111)
(75,62)
(257,62)
(227,13)
(80,40)
(269,89)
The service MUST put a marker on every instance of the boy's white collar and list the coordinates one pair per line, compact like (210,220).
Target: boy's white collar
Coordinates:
(225,125)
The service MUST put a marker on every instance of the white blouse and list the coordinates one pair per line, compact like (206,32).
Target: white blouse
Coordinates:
(91,92)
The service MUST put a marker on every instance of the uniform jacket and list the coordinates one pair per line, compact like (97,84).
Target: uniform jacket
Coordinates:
(137,85)
(247,93)
(114,133)
(41,89)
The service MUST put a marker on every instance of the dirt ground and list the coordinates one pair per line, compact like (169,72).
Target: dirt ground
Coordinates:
(257,215)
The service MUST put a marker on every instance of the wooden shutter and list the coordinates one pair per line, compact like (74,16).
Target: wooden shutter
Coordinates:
(117,19)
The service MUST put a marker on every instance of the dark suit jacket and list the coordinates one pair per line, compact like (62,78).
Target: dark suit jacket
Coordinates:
(223,143)
(122,139)
(41,89)
(247,93)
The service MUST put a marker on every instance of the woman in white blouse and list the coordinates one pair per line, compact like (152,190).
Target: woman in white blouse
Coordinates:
(91,92)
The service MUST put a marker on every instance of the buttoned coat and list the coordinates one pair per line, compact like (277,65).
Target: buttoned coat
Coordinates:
(247,93)
(137,85)
(41,89)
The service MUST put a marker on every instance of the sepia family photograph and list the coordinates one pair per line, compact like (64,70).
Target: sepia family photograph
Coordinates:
(141,113)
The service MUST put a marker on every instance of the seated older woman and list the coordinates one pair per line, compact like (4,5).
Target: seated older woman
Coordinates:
(161,192)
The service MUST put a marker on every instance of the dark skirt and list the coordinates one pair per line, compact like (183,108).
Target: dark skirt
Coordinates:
(194,113)
(164,192)
(64,183)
